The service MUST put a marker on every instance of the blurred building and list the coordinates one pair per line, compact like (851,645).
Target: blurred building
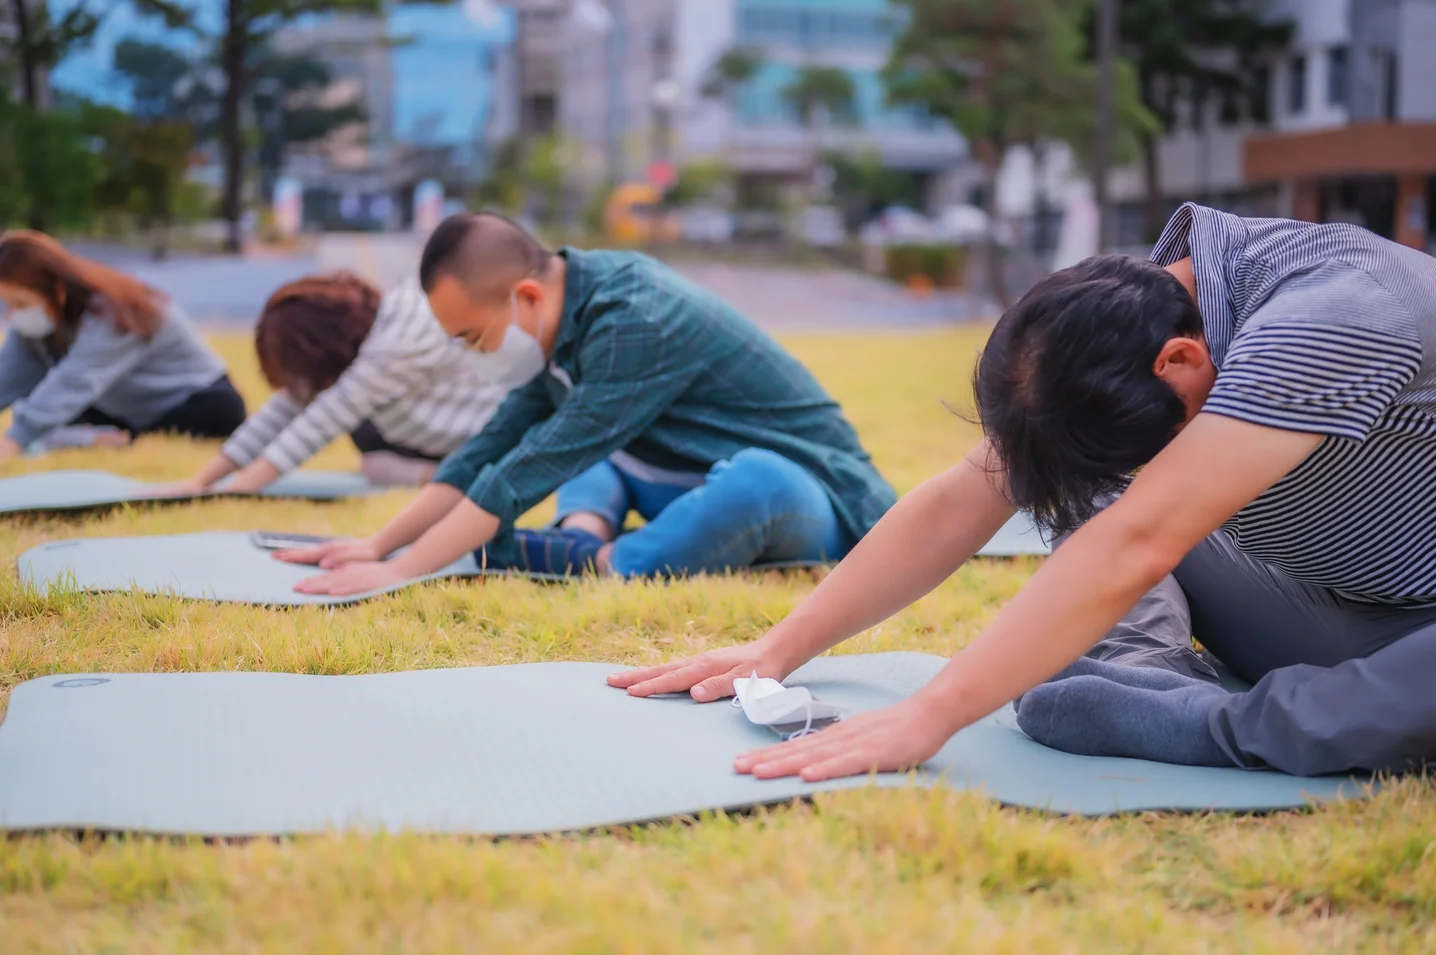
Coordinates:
(426,78)
(1354,131)
(634,73)
(1349,135)
(537,66)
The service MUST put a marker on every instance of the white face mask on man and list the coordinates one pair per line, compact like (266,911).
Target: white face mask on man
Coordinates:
(32,321)
(519,356)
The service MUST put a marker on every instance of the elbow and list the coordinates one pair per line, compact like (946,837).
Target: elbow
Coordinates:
(1142,550)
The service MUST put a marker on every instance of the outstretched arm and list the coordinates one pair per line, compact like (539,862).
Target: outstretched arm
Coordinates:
(916,546)
(1211,470)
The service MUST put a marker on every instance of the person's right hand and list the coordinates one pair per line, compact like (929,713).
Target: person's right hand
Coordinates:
(332,555)
(706,677)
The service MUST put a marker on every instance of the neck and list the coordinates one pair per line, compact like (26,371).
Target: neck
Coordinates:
(1183,272)
(553,282)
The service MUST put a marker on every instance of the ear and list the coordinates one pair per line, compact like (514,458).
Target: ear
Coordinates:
(1181,356)
(530,290)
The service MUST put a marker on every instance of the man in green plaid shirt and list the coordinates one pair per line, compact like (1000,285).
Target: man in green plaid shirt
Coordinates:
(648,394)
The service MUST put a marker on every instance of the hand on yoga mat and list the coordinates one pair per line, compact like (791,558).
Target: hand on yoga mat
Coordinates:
(354,578)
(332,555)
(707,677)
(897,738)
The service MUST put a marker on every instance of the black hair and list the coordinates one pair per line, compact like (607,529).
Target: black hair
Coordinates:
(1066,390)
(485,251)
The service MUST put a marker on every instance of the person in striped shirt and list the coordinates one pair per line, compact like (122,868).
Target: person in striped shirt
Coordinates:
(346,360)
(1234,441)
(656,397)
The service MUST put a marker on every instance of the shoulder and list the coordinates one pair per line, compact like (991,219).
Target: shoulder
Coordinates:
(405,327)
(1334,295)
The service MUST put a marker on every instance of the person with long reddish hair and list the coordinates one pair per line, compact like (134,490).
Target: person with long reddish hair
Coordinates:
(344,359)
(90,346)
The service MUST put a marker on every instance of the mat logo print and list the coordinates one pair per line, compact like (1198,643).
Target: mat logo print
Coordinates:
(72,684)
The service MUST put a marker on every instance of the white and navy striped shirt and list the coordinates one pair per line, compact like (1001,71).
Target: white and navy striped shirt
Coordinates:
(421,390)
(1327,329)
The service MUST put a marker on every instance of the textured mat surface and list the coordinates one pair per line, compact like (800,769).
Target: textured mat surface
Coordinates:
(81,490)
(221,566)
(498,750)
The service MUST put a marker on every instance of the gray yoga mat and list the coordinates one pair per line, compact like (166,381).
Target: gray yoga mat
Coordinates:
(82,490)
(219,566)
(499,750)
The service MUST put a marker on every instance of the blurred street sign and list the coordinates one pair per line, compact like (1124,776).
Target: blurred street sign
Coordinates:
(662,174)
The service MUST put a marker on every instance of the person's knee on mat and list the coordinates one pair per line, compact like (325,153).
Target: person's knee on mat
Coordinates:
(748,502)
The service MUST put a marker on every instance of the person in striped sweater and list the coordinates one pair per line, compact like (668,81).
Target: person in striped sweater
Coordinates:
(346,360)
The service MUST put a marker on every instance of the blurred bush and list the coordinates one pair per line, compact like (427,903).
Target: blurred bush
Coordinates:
(941,266)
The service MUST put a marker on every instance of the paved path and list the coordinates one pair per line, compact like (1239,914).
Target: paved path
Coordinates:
(230,291)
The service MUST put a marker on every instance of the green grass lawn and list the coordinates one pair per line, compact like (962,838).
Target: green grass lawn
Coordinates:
(866,871)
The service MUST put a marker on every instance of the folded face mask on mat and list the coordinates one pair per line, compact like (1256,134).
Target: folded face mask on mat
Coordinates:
(790,711)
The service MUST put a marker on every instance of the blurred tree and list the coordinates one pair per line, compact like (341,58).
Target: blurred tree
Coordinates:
(863,185)
(283,96)
(143,161)
(1192,49)
(733,70)
(164,83)
(248,26)
(502,188)
(532,178)
(821,96)
(1003,73)
(36,44)
(699,181)
(47,166)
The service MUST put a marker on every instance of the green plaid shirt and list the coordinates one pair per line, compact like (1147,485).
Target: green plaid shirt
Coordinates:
(669,373)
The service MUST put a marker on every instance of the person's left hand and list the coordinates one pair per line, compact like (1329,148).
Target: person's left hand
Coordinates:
(897,738)
(354,578)
(9,448)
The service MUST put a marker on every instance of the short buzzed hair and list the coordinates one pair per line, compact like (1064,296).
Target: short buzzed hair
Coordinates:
(486,252)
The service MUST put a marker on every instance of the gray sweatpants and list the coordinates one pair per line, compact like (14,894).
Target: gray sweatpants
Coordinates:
(1338,685)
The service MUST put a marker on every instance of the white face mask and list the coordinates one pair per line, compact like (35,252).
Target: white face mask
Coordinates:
(32,322)
(769,703)
(518,358)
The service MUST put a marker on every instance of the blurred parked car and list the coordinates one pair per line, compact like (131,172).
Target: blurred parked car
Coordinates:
(634,215)
(961,225)
(897,225)
(822,226)
(709,225)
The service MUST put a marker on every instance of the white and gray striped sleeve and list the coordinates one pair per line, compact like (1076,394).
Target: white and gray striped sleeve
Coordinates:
(373,381)
(251,438)
(1304,362)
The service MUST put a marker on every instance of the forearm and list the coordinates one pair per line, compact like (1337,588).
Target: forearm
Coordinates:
(466,528)
(428,508)
(1061,614)
(219,467)
(921,542)
(254,476)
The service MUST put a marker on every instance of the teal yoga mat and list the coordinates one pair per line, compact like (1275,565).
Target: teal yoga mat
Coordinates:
(499,750)
(83,490)
(219,566)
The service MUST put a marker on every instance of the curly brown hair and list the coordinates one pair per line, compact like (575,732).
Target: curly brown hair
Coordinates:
(71,283)
(310,330)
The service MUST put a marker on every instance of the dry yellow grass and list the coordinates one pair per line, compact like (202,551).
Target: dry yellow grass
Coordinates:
(860,871)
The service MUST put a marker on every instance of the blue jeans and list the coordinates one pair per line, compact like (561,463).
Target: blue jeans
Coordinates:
(755,508)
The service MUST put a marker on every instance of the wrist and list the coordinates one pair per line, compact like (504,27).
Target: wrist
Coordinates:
(405,565)
(943,706)
(782,651)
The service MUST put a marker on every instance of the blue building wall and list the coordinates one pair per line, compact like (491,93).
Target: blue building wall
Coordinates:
(828,31)
(442,87)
